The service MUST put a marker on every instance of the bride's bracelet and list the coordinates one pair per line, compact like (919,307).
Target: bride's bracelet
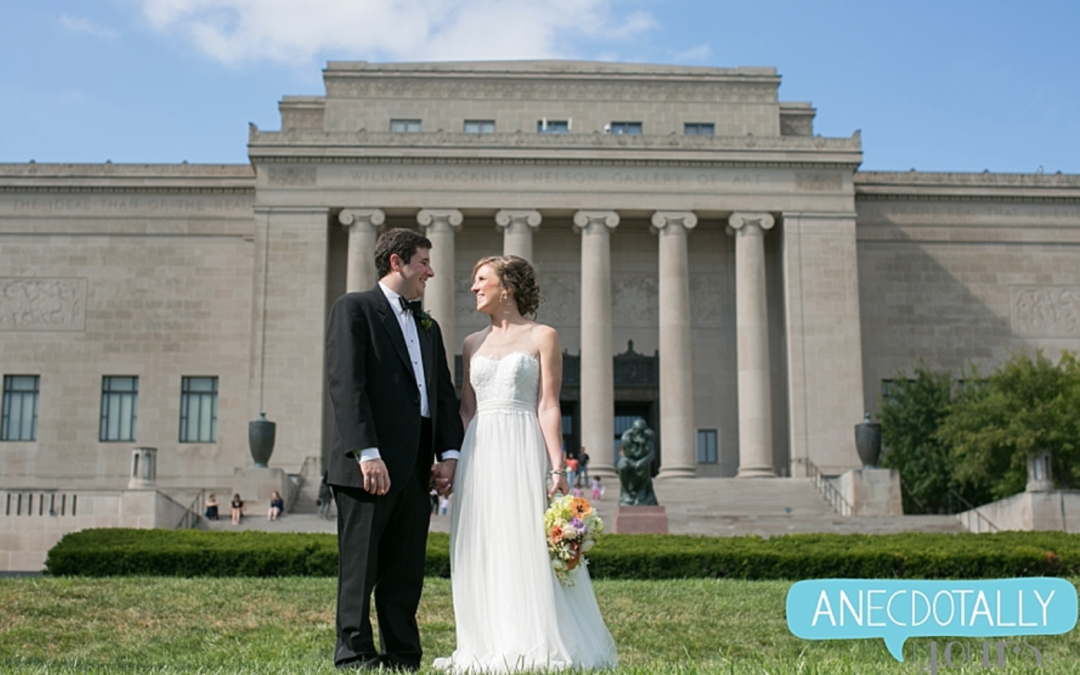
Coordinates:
(558,472)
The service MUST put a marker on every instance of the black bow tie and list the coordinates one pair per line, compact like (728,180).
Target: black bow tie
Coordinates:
(414,306)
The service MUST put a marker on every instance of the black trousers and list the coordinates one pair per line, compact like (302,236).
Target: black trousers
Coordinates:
(382,544)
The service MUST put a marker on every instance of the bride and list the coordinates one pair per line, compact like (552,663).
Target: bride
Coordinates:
(512,612)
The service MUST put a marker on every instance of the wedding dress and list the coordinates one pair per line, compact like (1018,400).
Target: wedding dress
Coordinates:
(512,612)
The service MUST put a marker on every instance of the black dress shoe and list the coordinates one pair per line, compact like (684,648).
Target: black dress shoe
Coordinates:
(372,663)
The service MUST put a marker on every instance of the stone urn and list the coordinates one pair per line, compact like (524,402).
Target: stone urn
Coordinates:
(868,442)
(261,440)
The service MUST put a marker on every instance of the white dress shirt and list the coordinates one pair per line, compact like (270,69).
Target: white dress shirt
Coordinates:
(412,343)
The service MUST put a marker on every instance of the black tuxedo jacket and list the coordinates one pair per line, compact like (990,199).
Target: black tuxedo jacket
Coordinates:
(374,392)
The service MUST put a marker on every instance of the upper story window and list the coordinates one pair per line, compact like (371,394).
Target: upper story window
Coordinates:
(479,126)
(20,408)
(546,126)
(405,126)
(119,408)
(699,129)
(198,409)
(633,128)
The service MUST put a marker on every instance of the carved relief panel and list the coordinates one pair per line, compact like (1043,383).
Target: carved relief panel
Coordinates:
(42,304)
(1046,312)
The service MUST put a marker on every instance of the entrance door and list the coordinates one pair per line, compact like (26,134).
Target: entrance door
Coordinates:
(626,412)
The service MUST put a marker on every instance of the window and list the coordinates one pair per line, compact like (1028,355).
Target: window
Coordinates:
(198,409)
(633,128)
(546,126)
(707,446)
(119,408)
(479,126)
(405,126)
(890,389)
(699,129)
(20,408)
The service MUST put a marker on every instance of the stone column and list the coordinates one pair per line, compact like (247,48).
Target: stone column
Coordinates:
(676,365)
(597,369)
(363,226)
(755,413)
(518,228)
(439,226)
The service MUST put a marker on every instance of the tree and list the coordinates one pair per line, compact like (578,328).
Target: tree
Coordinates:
(912,411)
(1026,405)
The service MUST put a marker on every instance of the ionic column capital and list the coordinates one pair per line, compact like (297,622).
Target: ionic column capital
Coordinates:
(662,219)
(738,221)
(428,218)
(372,217)
(507,217)
(583,220)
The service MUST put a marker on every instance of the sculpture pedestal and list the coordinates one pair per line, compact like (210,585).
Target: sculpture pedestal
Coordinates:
(640,520)
(872,492)
(255,484)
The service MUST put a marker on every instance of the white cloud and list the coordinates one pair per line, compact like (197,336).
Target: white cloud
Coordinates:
(288,31)
(78,24)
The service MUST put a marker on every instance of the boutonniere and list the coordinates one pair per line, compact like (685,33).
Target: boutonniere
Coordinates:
(425,319)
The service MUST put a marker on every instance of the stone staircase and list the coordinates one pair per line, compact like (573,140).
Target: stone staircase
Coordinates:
(308,496)
(717,507)
(770,507)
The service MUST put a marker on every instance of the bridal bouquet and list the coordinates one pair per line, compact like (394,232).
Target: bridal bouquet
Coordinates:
(572,527)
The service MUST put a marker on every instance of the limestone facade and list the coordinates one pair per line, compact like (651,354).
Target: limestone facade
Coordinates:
(766,285)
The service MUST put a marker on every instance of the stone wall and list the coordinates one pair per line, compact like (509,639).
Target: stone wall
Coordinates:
(965,270)
(516,96)
(33,521)
(125,271)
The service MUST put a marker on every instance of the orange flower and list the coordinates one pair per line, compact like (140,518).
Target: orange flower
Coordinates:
(580,507)
(556,534)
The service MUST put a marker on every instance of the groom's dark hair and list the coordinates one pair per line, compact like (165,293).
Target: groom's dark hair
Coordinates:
(400,242)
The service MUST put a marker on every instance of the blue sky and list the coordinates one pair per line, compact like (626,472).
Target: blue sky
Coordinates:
(943,85)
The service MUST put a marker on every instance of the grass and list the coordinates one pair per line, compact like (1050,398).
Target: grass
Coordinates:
(286,625)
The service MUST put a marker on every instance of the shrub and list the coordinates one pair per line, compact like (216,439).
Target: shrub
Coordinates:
(191,553)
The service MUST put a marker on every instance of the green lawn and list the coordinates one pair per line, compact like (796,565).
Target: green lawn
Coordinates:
(243,625)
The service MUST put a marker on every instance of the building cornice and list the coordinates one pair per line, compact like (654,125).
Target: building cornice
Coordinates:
(210,179)
(110,189)
(300,145)
(970,187)
(561,162)
(546,80)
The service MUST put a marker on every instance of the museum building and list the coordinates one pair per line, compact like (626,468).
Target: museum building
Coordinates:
(711,264)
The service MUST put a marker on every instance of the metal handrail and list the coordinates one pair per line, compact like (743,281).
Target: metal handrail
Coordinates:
(827,490)
(906,490)
(973,509)
(193,514)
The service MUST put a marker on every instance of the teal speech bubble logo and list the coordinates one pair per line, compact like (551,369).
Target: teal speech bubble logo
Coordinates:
(845,609)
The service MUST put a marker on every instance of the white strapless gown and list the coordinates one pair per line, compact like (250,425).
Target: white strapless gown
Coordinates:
(512,613)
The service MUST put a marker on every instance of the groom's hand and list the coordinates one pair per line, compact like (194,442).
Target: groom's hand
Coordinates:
(376,477)
(442,476)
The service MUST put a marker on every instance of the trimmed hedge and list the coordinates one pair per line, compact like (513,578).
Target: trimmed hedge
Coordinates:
(192,553)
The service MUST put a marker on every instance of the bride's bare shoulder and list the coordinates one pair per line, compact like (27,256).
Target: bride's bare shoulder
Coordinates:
(472,340)
(544,335)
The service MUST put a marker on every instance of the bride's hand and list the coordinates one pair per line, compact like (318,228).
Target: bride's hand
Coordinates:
(558,484)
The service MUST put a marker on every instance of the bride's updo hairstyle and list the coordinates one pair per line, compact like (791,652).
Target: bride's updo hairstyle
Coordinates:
(518,276)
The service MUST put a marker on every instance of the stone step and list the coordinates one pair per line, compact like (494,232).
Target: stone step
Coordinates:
(721,507)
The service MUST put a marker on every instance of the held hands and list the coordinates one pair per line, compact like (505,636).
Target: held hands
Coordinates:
(558,484)
(442,476)
(376,477)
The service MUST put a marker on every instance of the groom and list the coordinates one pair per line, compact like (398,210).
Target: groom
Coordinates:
(394,410)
